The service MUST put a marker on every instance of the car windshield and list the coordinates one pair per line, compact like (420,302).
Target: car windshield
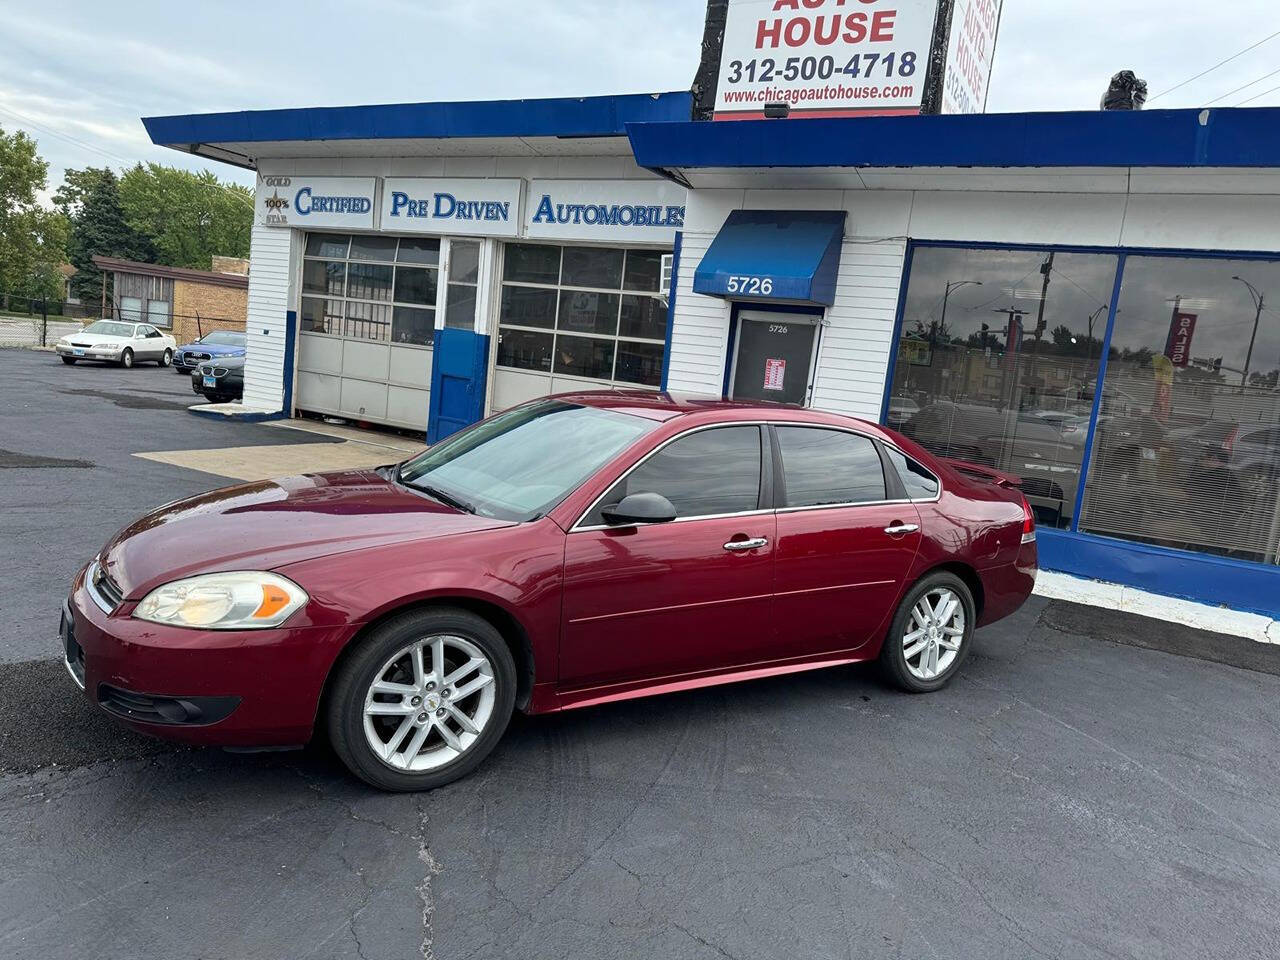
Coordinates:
(521,463)
(110,328)
(228,338)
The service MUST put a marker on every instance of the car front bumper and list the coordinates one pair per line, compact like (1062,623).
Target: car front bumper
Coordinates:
(87,353)
(252,688)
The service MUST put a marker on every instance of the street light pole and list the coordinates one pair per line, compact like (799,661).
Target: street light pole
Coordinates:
(946,295)
(1256,295)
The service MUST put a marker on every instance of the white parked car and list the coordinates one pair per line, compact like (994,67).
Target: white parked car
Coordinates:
(117,341)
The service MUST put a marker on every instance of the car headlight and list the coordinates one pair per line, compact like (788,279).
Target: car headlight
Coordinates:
(245,600)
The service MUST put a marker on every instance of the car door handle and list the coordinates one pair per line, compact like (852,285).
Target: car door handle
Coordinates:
(755,543)
(900,529)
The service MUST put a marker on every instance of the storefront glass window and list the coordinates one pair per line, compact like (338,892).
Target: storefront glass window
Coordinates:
(563,311)
(997,362)
(370,288)
(1186,453)
(464,272)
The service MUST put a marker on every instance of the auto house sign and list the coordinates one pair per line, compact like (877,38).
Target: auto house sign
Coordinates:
(288,201)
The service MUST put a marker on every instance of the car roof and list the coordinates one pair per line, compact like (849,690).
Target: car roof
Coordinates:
(668,406)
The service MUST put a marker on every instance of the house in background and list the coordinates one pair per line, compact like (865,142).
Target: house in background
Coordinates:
(67,271)
(186,303)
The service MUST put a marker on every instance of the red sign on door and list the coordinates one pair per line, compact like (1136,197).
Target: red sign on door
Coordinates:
(774,373)
(1181,329)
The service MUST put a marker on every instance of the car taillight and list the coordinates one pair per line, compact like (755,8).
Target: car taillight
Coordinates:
(1028,523)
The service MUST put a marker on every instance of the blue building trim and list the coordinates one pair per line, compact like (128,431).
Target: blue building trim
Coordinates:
(898,319)
(671,307)
(1235,584)
(563,117)
(1096,138)
(1096,410)
(290,373)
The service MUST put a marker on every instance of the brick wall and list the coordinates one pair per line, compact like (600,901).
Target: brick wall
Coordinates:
(219,308)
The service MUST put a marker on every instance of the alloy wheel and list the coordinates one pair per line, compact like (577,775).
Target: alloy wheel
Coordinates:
(428,703)
(934,634)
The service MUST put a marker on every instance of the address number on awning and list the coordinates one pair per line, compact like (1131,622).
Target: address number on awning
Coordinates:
(751,286)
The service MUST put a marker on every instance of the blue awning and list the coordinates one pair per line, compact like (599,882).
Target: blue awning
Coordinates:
(772,255)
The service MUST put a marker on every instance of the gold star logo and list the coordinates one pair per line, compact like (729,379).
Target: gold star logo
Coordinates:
(276,202)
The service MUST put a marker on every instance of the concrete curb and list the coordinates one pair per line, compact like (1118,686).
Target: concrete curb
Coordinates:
(234,411)
(1201,616)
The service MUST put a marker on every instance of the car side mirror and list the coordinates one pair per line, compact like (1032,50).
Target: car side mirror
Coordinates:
(639,508)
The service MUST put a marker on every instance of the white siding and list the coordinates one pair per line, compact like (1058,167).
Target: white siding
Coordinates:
(700,327)
(853,356)
(267,318)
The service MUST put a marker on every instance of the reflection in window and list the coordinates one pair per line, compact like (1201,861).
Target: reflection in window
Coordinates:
(706,473)
(825,467)
(1186,453)
(997,362)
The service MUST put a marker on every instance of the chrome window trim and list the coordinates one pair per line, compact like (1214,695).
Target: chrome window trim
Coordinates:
(579,528)
(90,588)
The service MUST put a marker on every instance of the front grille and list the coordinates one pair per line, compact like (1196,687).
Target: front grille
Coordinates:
(196,357)
(105,591)
(145,708)
(74,344)
(216,371)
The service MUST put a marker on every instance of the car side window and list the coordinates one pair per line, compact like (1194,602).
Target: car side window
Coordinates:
(705,473)
(829,467)
(920,483)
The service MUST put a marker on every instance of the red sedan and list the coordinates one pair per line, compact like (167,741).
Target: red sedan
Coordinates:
(572,551)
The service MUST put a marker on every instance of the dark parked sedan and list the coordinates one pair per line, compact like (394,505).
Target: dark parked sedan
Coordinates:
(220,380)
(572,551)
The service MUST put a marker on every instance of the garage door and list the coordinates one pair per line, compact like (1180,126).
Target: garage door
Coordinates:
(366,325)
(578,318)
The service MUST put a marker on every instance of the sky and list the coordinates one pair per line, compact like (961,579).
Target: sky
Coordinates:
(78,76)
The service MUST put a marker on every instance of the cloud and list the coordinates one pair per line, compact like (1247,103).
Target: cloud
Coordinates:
(88,72)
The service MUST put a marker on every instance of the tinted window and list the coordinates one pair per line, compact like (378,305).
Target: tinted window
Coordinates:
(829,467)
(706,473)
(920,483)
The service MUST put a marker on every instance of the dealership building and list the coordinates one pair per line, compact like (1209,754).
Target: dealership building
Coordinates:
(1090,301)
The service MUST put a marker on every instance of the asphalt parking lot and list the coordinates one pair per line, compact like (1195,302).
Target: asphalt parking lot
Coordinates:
(1078,792)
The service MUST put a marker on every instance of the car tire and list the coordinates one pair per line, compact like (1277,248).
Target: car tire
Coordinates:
(166,358)
(68,360)
(917,655)
(356,720)
(126,358)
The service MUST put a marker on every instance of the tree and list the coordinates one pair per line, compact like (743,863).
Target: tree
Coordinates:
(32,238)
(98,228)
(189,217)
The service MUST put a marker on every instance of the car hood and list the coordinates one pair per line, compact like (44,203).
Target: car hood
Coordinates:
(214,349)
(92,338)
(269,524)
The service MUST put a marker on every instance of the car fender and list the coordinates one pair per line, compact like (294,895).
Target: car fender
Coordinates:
(518,569)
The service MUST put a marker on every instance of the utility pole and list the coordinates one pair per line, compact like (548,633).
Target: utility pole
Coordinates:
(1257,296)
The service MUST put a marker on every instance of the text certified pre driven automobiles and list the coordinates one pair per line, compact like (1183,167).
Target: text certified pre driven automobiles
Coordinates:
(212,346)
(219,380)
(572,551)
(117,341)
